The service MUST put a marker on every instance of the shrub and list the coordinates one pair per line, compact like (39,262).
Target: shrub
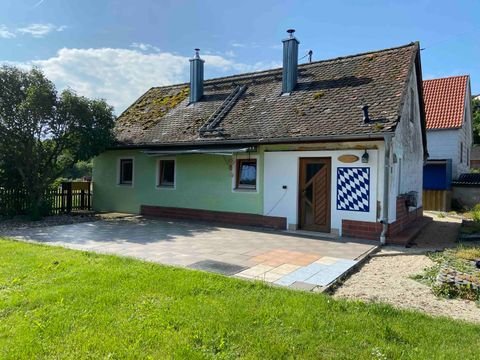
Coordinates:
(476,213)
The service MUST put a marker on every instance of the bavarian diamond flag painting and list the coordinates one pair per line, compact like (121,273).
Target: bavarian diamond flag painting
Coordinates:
(353,189)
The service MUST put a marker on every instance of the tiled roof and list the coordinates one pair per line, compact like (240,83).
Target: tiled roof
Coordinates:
(468,179)
(326,102)
(445,101)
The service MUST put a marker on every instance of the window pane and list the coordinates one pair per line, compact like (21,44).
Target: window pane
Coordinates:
(247,176)
(312,170)
(126,171)
(167,172)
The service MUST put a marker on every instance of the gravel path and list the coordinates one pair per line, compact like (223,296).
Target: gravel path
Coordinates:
(385,278)
(22,223)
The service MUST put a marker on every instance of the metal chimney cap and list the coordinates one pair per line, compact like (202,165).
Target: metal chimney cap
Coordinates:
(290,32)
(197,53)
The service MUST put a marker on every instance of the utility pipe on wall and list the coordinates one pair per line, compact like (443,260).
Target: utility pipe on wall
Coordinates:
(386,183)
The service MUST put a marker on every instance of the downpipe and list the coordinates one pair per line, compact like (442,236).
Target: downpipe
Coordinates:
(386,189)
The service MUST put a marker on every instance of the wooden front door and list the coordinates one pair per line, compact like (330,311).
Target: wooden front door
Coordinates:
(314,196)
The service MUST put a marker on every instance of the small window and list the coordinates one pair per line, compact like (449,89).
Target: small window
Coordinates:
(126,172)
(166,174)
(461,152)
(246,174)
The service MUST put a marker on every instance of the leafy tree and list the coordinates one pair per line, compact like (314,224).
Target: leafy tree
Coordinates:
(476,120)
(43,133)
(79,170)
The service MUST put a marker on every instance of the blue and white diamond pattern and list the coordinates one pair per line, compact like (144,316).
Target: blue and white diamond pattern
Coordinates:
(353,189)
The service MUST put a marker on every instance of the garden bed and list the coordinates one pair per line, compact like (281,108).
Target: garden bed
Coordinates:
(456,273)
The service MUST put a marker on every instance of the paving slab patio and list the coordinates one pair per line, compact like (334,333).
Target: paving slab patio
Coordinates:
(278,258)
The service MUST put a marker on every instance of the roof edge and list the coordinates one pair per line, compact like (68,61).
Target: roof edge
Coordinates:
(448,77)
(313,139)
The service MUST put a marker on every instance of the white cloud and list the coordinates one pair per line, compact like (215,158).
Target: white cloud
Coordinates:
(121,75)
(40,30)
(38,4)
(35,30)
(144,47)
(238,45)
(276,47)
(5,33)
(252,45)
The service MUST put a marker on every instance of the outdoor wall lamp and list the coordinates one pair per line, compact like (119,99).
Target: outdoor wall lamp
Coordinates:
(365,157)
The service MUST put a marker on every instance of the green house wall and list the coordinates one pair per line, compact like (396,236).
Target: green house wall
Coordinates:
(202,182)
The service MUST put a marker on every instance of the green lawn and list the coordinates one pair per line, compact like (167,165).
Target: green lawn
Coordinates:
(63,304)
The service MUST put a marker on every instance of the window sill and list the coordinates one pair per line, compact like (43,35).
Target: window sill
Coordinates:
(125,185)
(245,190)
(164,187)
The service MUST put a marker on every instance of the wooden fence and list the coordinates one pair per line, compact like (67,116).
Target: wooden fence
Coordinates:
(70,197)
(437,200)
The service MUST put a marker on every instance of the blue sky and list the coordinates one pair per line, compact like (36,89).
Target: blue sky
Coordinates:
(118,49)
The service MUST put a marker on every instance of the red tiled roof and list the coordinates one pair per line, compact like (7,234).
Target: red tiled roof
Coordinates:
(445,101)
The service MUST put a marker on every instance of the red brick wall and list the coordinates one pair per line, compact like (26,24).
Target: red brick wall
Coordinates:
(273,222)
(361,229)
(404,218)
(373,230)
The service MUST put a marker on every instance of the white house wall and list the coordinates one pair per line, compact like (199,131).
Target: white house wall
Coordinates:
(465,136)
(281,168)
(406,171)
(443,144)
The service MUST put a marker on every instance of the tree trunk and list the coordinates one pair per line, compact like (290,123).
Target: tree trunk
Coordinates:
(35,199)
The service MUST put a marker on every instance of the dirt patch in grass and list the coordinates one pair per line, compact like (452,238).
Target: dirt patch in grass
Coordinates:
(22,222)
(390,279)
(393,275)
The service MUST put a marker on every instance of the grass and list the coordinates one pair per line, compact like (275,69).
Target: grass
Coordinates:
(468,253)
(476,213)
(58,303)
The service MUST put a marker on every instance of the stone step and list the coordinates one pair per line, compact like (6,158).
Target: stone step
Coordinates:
(405,237)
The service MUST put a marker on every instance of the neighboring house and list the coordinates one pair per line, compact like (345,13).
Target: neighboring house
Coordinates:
(449,123)
(475,157)
(300,147)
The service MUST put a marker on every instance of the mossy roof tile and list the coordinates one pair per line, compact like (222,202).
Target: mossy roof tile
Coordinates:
(163,115)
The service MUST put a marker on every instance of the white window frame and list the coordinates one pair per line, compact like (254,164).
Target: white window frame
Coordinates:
(234,172)
(119,171)
(157,174)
